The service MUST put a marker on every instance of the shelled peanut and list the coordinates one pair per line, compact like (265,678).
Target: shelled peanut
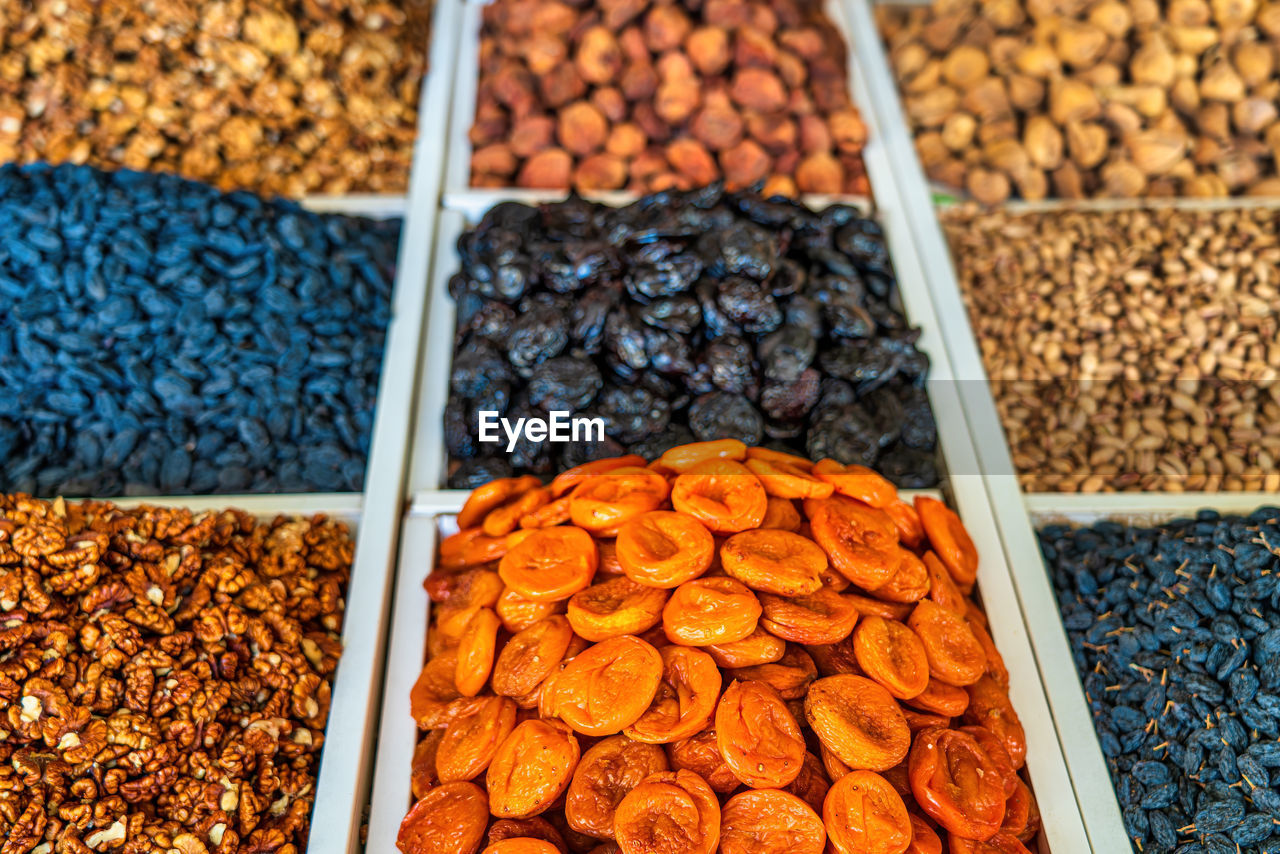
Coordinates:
(282,97)
(1092,97)
(627,94)
(1133,349)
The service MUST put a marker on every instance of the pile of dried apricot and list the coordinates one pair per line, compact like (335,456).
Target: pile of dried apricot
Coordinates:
(729,649)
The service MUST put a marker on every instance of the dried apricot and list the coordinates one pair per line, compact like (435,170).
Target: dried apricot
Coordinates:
(470,547)
(686,698)
(701,754)
(909,584)
(710,610)
(548,515)
(424,763)
(1021,813)
(466,588)
(941,699)
(860,541)
(608,686)
(758,736)
(955,656)
(722,494)
(615,607)
(531,769)
(602,503)
(948,537)
(449,819)
(492,495)
(472,738)
(771,561)
(789,676)
(475,652)
(759,647)
(864,815)
(857,482)
(530,656)
(868,606)
(433,691)
(527,828)
(567,480)
(917,721)
(550,564)
(989,708)
(503,520)
(956,783)
(518,613)
(521,845)
(780,514)
(769,821)
(664,549)
(782,479)
(890,653)
(1001,843)
(683,458)
(995,661)
(858,721)
(998,754)
(941,588)
(821,617)
(608,770)
(924,839)
(907,521)
(833,658)
(670,811)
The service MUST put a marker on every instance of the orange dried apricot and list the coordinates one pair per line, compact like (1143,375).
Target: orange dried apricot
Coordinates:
(780,514)
(615,607)
(1021,814)
(941,699)
(567,480)
(682,458)
(664,549)
(860,541)
(772,561)
(701,754)
(782,479)
(550,564)
(821,617)
(710,610)
(917,721)
(758,736)
(811,784)
(449,819)
(530,656)
(858,721)
(670,811)
(1001,843)
(909,584)
(602,503)
(521,845)
(941,588)
(530,828)
(548,515)
(503,520)
(759,647)
(789,676)
(608,686)
(722,494)
(532,768)
(475,652)
(858,482)
(907,521)
(864,815)
(989,708)
(997,753)
(492,495)
(949,539)
(686,698)
(433,692)
(518,613)
(890,653)
(833,658)
(924,839)
(608,770)
(424,763)
(956,783)
(769,821)
(955,656)
(470,547)
(995,661)
(868,606)
(472,738)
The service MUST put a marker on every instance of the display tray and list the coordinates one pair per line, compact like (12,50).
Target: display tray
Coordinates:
(460,195)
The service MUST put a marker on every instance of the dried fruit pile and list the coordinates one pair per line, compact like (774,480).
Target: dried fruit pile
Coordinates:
(1132,349)
(683,316)
(726,647)
(1176,635)
(283,97)
(166,676)
(648,96)
(1092,98)
(160,337)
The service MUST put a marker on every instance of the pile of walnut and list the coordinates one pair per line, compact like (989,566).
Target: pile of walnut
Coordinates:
(648,96)
(1080,98)
(166,676)
(283,97)
(728,649)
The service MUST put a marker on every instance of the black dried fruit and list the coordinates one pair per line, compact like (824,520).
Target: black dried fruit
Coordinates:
(564,383)
(725,415)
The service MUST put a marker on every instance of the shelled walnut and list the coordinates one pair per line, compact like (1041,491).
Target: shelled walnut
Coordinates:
(1174,99)
(643,96)
(166,676)
(283,97)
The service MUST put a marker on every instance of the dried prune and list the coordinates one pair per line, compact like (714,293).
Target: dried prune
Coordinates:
(786,353)
(725,415)
(538,334)
(630,414)
(790,401)
(674,314)
(731,363)
(749,305)
(564,383)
